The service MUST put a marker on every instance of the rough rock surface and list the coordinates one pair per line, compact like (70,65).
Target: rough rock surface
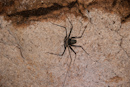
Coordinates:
(24,60)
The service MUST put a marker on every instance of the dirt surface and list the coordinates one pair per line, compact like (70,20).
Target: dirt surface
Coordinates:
(27,34)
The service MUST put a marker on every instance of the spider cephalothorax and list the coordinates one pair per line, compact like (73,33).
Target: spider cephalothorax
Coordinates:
(69,41)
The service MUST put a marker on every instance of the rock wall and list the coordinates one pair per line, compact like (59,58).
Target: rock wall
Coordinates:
(31,30)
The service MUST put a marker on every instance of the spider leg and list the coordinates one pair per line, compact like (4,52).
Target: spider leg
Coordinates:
(80,47)
(68,68)
(74,53)
(82,32)
(70,28)
(59,54)
(61,26)
(72,50)
(80,26)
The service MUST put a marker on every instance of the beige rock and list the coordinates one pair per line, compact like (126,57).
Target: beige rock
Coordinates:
(24,60)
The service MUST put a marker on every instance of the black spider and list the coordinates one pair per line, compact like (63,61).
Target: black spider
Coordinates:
(68,42)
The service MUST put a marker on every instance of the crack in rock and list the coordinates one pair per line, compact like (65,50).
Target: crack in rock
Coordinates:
(18,44)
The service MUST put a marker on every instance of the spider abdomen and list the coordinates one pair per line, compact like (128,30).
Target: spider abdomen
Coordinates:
(71,42)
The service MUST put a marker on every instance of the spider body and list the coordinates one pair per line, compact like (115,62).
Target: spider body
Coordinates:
(69,41)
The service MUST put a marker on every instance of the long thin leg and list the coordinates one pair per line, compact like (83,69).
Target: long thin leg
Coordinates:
(58,54)
(82,32)
(74,52)
(65,36)
(70,28)
(80,26)
(68,68)
(62,27)
(80,47)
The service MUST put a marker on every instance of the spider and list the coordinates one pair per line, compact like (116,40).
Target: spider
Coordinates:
(70,42)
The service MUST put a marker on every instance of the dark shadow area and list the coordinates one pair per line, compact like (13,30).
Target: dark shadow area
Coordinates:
(42,11)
